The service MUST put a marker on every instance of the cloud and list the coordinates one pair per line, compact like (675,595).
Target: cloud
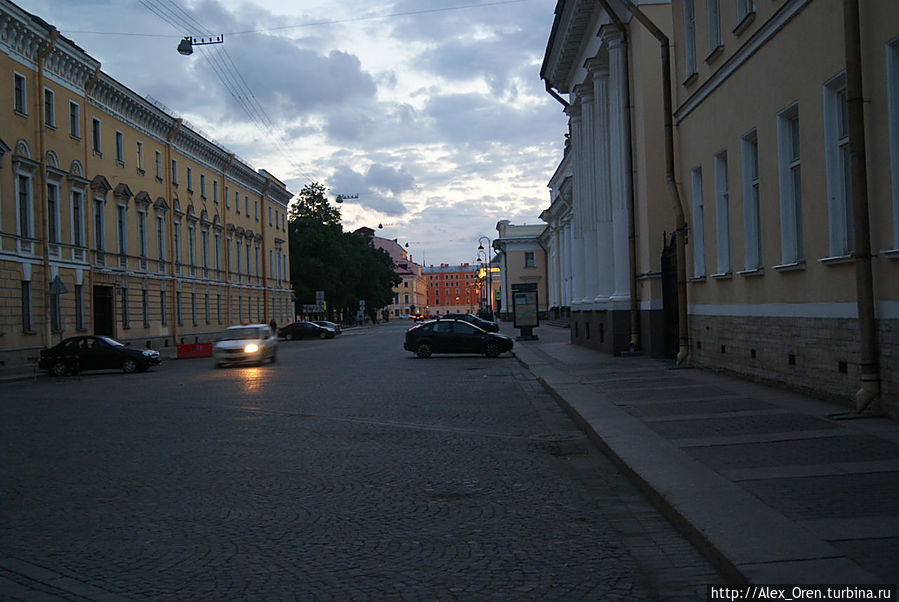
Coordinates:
(378,188)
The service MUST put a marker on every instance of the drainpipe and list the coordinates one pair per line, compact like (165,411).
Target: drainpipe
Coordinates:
(89,202)
(864,283)
(556,96)
(45,226)
(168,166)
(676,204)
(631,227)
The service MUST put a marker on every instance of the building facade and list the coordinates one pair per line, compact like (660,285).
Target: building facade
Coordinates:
(453,288)
(784,163)
(116,217)
(522,260)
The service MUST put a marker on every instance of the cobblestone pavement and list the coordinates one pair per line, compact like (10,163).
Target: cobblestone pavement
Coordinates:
(346,470)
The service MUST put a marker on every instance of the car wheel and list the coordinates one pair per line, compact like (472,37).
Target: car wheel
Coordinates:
(59,368)
(288,336)
(423,350)
(323,335)
(129,366)
(492,350)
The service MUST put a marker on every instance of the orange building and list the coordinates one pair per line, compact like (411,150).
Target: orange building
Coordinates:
(453,288)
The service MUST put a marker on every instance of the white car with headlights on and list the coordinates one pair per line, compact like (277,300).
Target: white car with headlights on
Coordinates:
(246,344)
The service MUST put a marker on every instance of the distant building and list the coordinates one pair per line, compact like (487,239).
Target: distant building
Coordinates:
(453,288)
(409,296)
(522,260)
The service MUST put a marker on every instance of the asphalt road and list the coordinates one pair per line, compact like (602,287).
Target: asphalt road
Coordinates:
(349,469)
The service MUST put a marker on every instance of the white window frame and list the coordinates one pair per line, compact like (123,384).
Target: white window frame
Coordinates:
(53,213)
(160,238)
(203,185)
(190,179)
(76,211)
(96,133)
(158,160)
(120,147)
(789,176)
(25,230)
(752,238)
(191,245)
(20,89)
(722,216)
(175,172)
(139,151)
(142,233)
(689,39)
(74,120)
(698,229)
(122,229)
(99,222)
(841,237)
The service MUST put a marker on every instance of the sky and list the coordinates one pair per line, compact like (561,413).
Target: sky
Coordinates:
(431,111)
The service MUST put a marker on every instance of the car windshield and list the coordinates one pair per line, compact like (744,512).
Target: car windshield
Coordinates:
(110,342)
(239,334)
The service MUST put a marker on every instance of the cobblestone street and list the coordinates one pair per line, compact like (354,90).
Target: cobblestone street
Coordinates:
(349,469)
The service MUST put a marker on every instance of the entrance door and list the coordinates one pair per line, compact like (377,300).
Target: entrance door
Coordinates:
(104,311)
(669,296)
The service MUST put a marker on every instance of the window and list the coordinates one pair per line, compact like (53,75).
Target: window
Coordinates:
(722,217)
(79,307)
(142,233)
(95,129)
(27,321)
(237,255)
(218,308)
(122,229)
(26,210)
(236,202)
(203,185)
(790,186)
(269,216)
(191,251)
(49,108)
(836,160)
(125,323)
(145,306)
(160,238)
(713,8)
(246,205)
(190,180)
(158,164)
(74,120)
(163,319)
(217,251)
(698,230)
(19,90)
(204,247)
(206,307)
(689,39)
(256,249)
(227,192)
(120,148)
(53,213)
(193,308)
(752,243)
(178,308)
(744,9)
(893,104)
(529,262)
(99,225)
(215,192)
(174,172)
(140,156)
(177,243)
(256,210)
(77,218)
(247,247)
(55,313)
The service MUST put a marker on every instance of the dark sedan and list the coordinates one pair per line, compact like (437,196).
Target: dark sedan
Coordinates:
(472,319)
(76,354)
(305,330)
(454,336)
(335,327)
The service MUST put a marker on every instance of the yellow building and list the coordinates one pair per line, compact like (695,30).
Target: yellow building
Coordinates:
(118,218)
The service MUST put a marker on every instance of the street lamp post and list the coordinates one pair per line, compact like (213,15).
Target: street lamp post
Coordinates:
(487,252)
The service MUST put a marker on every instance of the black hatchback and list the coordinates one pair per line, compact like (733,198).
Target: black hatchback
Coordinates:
(454,336)
(76,354)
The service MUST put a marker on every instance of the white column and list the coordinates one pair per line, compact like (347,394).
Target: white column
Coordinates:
(619,145)
(604,238)
(566,261)
(577,241)
(587,162)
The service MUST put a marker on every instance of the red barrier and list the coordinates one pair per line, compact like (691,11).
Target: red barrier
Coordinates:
(189,350)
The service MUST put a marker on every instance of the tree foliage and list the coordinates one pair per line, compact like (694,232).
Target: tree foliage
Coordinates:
(325,258)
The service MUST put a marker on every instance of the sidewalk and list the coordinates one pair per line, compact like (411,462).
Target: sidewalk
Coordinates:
(761,480)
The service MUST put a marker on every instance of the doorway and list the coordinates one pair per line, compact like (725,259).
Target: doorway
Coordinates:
(104,311)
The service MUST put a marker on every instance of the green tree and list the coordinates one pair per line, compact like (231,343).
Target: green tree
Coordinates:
(325,258)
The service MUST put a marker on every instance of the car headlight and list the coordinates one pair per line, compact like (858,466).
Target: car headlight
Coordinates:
(148,353)
(251,348)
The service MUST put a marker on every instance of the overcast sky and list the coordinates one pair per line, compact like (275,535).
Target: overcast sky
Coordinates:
(432,111)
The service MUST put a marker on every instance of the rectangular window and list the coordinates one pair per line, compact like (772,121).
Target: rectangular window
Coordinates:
(256,210)
(190,180)
(218,308)
(204,247)
(203,185)
(140,156)
(49,108)
(789,175)
(529,261)
(713,8)
(689,39)
(744,9)
(193,308)
(122,229)
(142,233)
(74,120)
(120,148)
(19,91)
(27,322)
(256,248)
(836,160)
(163,319)
(215,192)
(160,238)
(227,193)
(79,307)
(53,213)
(95,129)
(236,202)
(217,251)
(246,205)
(174,172)
(722,215)
(145,306)
(752,242)
(55,313)
(99,236)
(269,216)
(178,308)
(177,242)
(698,230)
(191,244)
(206,307)
(23,194)
(158,164)
(893,120)
(237,255)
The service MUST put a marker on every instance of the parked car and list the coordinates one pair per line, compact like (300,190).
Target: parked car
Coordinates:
(76,354)
(472,319)
(246,344)
(305,330)
(454,336)
(335,327)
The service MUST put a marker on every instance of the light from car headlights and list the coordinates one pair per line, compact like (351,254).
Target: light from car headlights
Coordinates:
(251,348)
(148,353)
